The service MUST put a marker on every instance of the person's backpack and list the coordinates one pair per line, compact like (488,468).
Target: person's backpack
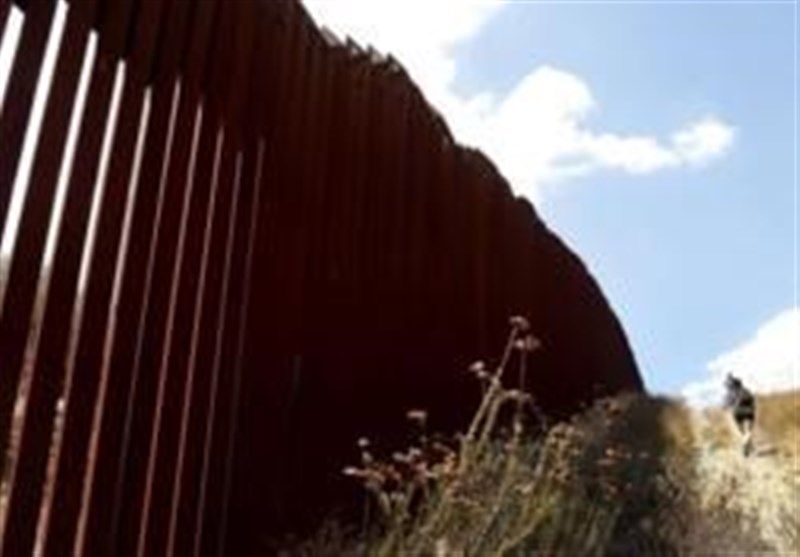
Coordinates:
(745,399)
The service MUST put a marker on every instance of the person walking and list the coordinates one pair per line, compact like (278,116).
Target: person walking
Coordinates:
(742,404)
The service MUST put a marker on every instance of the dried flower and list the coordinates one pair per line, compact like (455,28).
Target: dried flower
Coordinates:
(527,344)
(417,416)
(520,323)
(477,367)
(352,471)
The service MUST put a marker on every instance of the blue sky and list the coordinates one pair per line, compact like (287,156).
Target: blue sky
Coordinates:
(658,139)
(693,261)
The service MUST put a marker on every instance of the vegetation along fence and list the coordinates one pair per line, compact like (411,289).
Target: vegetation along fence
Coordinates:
(202,204)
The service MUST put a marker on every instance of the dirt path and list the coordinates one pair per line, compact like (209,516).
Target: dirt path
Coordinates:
(763,490)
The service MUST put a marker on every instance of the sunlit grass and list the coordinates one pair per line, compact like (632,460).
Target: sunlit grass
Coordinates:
(514,484)
(779,419)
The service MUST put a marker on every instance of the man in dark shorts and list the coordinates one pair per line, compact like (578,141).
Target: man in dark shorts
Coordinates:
(743,405)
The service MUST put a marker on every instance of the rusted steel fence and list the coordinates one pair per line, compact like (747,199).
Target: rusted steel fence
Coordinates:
(119,350)
(224,220)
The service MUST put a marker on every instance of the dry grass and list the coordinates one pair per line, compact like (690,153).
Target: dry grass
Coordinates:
(779,420)
(750,504)
(777,429)
(632,475)
(599,483)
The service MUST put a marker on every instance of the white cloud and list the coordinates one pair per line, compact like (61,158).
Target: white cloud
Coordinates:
(769,361)
(538,132)
(421,34)
(704,140)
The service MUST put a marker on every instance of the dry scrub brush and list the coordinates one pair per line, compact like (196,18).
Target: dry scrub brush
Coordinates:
(501,488)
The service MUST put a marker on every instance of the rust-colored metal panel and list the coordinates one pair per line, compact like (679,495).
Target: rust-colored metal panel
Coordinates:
(198,505)
(458,279)
(369,240)
(446,285)
(476,206)
(398,247)
(395,248)
(280,270)
(322,196)
(370,237)
(274,262)
(110,456)
(191,533)
(5,9)
(197,528)
(13,124)
(235,45)
(482,262)
(466,242)
(470,194)
(45,384)
(196,188)
(287,245)
(244,414)
(393,124)
(416,195)
(505,303)
(290,347)
(154,373)
(320,199)
(339,270)
(200,413)
(496,318)
(348,270)
(435,238)
(213,508)
(16,111)
(348,94)
(204,535)
(412,284)
(241,169)
(289,196)
(515,246)
(275,235)
(263,431)
(307,189)
(85,379)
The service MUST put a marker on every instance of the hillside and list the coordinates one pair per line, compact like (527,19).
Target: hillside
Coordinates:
(632,475)
(763,490)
